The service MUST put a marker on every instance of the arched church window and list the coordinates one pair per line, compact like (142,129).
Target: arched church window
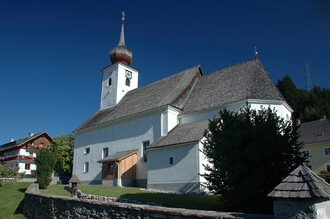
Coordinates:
(109,82)
(128,82)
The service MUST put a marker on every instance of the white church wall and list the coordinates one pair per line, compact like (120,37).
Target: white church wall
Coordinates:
(118,136)
(282,109)
(111,95)
(182,175)
(169,119)
(122,87)
(203,161)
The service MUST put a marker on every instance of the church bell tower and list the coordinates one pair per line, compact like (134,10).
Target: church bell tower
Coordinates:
(119,77)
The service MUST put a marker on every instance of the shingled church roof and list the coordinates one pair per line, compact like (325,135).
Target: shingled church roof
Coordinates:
(154,95)
(180,134)
(246,80)
(302,183)
(191,91)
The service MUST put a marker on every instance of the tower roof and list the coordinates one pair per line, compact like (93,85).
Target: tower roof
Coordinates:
(302,183)
(121,53)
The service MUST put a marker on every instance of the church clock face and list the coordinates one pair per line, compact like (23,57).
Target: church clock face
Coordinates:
(128,74)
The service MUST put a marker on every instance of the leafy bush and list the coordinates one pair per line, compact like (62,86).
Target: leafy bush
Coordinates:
(45,162)
(7,172)
(325,175)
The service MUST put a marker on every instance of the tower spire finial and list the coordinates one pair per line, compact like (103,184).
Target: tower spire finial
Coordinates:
(122,37)
(255,51)
(123,16)
(121,53)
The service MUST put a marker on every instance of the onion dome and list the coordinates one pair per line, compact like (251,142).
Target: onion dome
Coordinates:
(121,53)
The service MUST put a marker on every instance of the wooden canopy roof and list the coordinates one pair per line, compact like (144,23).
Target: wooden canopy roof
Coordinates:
(118,156)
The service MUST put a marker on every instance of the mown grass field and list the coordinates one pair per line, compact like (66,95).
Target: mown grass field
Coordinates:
(201,202)
(11,199)
(12,196)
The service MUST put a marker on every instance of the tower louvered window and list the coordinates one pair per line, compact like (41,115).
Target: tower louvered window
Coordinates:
(128,82)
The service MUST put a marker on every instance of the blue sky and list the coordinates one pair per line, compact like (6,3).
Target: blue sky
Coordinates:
(51,52)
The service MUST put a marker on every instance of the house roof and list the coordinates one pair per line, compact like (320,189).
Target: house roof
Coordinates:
(302,183)
(180,134)
(246,80)
(154,95)
(74,179)
(20,142)
(118,156)
(315,131)
(191,91)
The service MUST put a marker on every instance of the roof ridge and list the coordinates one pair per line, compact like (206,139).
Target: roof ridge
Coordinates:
(250,60)
(268,76)
(315,121)
(166,77)
(191,83)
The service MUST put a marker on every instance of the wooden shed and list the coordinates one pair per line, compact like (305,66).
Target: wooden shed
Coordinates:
(302,194)
(119,169)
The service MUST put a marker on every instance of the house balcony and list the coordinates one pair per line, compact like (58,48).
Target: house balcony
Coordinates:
(16,156)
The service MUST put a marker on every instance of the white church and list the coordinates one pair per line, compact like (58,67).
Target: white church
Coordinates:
(150,136)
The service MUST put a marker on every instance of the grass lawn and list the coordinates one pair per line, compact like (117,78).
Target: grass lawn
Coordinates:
(170,200)
(11,199)
(56,190)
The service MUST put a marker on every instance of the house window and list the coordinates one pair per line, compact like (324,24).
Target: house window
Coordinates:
(87,150)
(105,152)
(109,81)
(31,154)
(86,167)
(327,168)
(32,143)
(128,82)
(171,160)
(41,144)
(327,151)
(27,166)
(144,151)
(111,168)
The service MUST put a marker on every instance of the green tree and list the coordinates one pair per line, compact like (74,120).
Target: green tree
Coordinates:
(45,162)
(249,153)
(297,98)
(63,147)
(307,105)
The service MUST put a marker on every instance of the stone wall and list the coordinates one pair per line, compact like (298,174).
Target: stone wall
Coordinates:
(37,205)
(301,208)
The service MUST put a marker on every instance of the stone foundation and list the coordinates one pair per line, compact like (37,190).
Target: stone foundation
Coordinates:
(300,208)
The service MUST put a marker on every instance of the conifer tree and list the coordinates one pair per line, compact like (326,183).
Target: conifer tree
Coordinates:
(45,162)
(249,153)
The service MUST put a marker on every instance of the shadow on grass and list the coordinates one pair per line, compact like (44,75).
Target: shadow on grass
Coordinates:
(22,190)
(19,209)
(199,202)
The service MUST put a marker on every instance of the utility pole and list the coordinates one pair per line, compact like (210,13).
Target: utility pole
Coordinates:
(309,78)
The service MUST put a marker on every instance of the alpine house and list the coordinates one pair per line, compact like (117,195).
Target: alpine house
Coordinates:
(150,136)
